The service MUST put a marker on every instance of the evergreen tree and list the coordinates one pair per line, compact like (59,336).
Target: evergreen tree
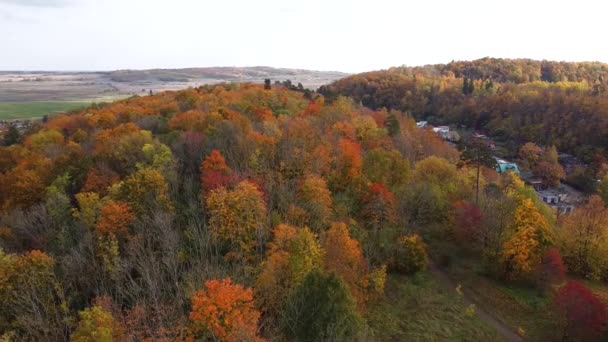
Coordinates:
(12,136)
(392,124)
(321,308)
(465,86)
(267,84)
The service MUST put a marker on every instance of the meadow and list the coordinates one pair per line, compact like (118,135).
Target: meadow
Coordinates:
(36,109)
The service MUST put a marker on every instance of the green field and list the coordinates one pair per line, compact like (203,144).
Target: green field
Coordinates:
(35,109)
(419,308)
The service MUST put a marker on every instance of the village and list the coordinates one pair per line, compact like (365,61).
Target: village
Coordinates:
(563,199)
(20,124)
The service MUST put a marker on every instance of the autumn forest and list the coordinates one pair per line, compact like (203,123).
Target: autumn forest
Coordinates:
(251,212)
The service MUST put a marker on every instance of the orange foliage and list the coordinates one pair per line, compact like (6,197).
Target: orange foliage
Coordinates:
(215,162)
(225,311)
(344,257)
(99,180)
(351,152)
(106,138)
(102,119)
(347,164)
(67,123)
(263,114)
(313,108)
(114,217)
(379,207)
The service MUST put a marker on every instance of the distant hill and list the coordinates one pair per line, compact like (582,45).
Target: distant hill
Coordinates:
(26,86)
(223,74)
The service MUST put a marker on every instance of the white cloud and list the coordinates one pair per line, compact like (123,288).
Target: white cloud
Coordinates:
(37,3)
(344,35)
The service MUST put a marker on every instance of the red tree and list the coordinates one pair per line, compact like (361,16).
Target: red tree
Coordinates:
(379,207)
(214,172)
(467,220)
(583,315)
(552,270)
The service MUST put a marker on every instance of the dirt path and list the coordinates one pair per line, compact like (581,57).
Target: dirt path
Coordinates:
(502,328)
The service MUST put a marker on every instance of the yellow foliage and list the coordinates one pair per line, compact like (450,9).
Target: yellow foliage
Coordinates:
(95,324)
(522,251)
(89,204)
(519,252)
(237,217)
(292,254)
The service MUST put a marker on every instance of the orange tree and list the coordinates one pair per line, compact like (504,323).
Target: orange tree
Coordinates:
(224,311)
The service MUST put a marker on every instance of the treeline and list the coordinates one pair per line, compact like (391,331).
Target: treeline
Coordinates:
(516,101)
(235,212)
(514,70)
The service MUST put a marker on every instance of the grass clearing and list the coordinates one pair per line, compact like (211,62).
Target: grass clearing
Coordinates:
(518,306)
(419,308)
(36,109)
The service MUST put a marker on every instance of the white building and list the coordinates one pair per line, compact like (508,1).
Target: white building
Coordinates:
(443,131)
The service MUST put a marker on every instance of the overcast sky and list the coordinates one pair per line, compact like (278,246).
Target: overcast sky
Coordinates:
(342,35)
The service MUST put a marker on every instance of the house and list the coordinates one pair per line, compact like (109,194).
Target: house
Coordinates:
(558,200)
(533,181)
(503,166)
(421,124)
(443,131)
(552,196)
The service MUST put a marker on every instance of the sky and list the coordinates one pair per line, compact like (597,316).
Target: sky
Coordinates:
(336,35)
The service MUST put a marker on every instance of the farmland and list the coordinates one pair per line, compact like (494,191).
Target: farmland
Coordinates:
(36,109)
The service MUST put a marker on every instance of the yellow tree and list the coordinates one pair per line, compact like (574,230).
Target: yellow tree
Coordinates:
(522,252)
(31,296)
(316,200)
(291,255)
(237,218)
(95,324)
(88,204)
(144,188)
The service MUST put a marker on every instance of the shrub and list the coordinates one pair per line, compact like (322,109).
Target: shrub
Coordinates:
(410,254)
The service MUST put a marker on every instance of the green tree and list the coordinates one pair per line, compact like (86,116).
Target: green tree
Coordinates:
(321,308)
(12,136)
(392,124)
(410,254)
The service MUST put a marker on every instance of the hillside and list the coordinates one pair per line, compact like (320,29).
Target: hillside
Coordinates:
(515,101)
(237,212)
